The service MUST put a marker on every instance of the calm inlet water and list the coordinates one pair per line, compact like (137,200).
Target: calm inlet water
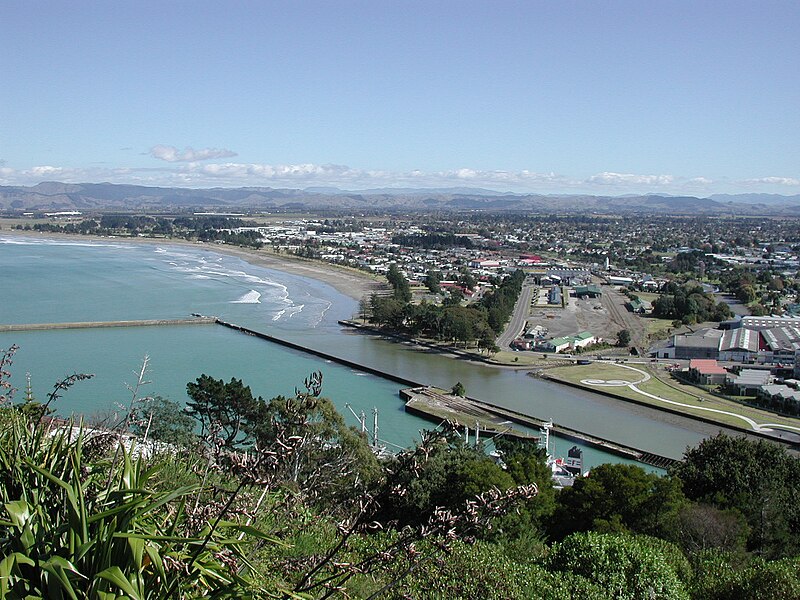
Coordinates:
(57,281)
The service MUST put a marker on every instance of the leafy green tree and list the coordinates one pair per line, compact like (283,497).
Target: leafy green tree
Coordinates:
(617,498)
(402,291)
(454,297)
(329,460)
(466,279)
(459,324)
(165,421)
(432,281)
(688,304)
(223,406)
(324,457)
(459,389)
(526,463)
(364,308)
(698,527)
(722,312)
(759,479)
(388,311)
(776,284)
(487,341)
(500,303)
(746,294)
(443,473)
(623,337)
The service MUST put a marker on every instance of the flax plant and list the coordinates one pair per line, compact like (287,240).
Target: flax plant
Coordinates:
(73,526)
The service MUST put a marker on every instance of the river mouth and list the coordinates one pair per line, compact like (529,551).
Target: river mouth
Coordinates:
(109,281)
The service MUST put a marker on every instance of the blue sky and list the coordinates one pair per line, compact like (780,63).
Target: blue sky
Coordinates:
(694,97)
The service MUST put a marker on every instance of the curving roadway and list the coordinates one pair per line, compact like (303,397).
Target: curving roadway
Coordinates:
(762,427)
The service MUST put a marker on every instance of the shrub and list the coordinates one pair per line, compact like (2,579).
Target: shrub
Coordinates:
(626,567)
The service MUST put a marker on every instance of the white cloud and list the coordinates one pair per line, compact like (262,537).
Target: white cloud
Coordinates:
(306,171)
(789,181)
(189,154)
(608,178)
(47,171)
(195,174)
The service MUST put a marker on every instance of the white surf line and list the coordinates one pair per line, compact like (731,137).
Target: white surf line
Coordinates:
(646,377)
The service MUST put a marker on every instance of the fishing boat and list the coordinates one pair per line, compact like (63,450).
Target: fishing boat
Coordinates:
(563,472)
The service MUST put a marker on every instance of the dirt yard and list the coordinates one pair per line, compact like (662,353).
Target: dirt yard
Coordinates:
(604,317)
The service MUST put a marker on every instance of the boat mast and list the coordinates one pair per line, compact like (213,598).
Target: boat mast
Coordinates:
(362,418)
(545,431)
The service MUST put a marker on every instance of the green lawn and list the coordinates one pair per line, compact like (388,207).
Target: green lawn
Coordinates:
(647,296)
(663,386)
(507,357)
(658,328)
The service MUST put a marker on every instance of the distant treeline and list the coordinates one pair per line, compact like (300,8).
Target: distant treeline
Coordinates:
(432,241)
(206,229)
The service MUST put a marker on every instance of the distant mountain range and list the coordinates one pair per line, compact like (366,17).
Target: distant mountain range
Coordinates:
(54,196)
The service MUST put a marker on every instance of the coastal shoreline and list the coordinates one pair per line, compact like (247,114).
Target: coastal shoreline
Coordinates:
(350,282)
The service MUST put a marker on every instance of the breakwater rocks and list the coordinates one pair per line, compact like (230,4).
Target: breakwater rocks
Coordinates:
(100,324)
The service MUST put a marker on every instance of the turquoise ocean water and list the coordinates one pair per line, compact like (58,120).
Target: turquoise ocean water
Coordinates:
(61,281)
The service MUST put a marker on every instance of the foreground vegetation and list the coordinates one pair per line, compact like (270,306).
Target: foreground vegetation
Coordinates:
(240,497)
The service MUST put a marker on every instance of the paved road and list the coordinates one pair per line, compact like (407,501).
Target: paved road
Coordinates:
(737,308)
(517,322)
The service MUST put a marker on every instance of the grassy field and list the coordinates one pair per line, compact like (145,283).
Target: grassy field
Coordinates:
(663,386)
(657,328)
(506,357)
(647,296)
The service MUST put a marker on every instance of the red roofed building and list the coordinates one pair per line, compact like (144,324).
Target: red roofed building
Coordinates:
(707,371)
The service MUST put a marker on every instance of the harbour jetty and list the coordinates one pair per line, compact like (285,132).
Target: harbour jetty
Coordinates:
(195,320)
(325,355)
(436,406)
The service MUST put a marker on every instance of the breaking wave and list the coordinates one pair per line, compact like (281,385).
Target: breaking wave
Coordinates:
(251,297)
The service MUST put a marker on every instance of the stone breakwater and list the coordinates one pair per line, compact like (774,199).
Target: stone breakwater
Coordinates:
(100,324)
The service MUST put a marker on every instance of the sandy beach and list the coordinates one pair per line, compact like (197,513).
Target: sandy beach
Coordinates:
(348,281)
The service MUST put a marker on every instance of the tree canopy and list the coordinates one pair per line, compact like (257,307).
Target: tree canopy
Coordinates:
(618,498)
(758,479)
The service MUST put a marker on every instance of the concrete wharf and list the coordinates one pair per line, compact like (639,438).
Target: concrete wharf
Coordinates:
(437,406)
(433,405)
